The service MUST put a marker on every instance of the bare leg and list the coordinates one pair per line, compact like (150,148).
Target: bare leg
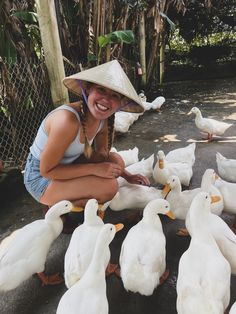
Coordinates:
(79,190)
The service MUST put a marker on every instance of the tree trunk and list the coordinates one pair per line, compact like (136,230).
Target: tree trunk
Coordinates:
(52,50)
(162,60)
(142,46)
(109,27)
(153,56)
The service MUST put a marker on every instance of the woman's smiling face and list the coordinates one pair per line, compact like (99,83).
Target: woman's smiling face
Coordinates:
(103,102)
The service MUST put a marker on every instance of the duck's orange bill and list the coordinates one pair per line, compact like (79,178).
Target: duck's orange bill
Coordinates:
(77,209)
(216,176)
(166,189)
(119,227)
(215,199)
(170,214)
(161,164)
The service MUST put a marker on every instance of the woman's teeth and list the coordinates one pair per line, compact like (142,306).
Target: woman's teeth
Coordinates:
(102,108)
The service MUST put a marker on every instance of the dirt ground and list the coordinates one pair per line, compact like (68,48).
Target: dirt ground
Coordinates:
(168,129)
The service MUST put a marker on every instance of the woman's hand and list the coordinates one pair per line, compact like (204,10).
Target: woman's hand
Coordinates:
(136,178)
(107,170)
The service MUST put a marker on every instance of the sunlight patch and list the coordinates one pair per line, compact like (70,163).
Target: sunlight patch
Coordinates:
(168,138)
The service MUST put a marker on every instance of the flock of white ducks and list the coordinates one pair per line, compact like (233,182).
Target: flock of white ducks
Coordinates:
(203,283)
(24,252)
(123,120)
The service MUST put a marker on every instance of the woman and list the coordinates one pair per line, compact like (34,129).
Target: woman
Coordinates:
(70,157)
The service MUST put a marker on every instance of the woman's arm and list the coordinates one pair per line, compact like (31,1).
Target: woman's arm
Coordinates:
(62,128)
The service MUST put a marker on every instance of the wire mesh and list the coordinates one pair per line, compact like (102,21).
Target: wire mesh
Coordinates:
(25,100)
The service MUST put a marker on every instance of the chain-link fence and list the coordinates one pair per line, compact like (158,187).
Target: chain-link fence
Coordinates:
(24,101)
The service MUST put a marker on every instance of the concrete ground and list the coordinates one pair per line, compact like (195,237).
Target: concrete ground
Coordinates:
(168,129)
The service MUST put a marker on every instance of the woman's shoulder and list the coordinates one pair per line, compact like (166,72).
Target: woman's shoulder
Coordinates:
(63,119)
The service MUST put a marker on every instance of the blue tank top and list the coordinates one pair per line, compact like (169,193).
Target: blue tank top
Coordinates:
(75,149)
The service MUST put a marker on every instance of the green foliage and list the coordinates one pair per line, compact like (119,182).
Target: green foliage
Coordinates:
(26,16)
(117,37)
(7,49)
(200,22)
(25,29)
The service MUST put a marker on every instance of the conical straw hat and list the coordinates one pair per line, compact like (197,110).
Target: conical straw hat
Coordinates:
(110,75)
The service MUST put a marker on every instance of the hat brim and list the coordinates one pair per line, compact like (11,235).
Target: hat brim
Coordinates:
(109,75)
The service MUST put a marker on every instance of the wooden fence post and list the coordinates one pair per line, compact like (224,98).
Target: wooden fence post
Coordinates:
(52,50)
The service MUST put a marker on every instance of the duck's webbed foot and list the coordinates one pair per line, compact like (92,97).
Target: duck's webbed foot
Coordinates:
(183,232)
(54,279)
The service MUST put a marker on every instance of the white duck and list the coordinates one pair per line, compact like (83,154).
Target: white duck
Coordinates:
(142,96)
(88,295)
(24,252)
(228,192)
(143,251)
(209,126)
(225,238)
(233,309)
(203,283)
(164,169)
(226,167)
(147,105)
(144,167)
(134,196)
(183,154)
(123,121)
(82,244)
(130,156)
(179,200)
(208,185)
(158,102)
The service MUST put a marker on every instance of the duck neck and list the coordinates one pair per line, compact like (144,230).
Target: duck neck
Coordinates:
(97,262)
(91,218)
(53,216)
(198,116)
(206,184)
(177,189)
(54,221)
(199,228)
(152,220)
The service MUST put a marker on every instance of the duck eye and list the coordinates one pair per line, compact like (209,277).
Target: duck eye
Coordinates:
(111,229)
(206,197)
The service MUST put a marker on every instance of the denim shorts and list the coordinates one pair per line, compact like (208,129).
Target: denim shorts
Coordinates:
(35,184)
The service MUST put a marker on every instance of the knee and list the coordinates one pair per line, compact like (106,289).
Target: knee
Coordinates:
(111,190)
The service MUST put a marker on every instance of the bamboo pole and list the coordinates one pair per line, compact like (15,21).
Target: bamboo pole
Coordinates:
(109,27)
(52,50)
(162,61)
(142,46)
